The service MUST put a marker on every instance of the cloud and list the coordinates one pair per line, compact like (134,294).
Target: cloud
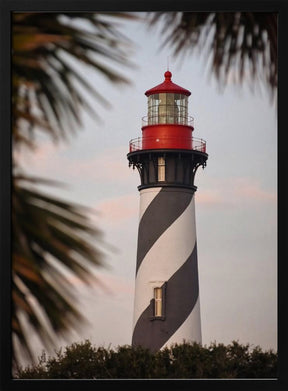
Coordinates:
(209,197)
(250,189)
(111,165)
(118,209)
(105,284)
(116,285)
(231,191)
(45,157)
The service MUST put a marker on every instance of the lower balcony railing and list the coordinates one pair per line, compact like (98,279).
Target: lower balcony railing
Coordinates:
(144,143)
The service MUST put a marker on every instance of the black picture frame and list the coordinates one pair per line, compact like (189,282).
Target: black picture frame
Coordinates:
(8,6)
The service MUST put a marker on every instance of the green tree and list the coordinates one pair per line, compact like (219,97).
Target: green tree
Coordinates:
(245,42)
(180,361)
(46,97)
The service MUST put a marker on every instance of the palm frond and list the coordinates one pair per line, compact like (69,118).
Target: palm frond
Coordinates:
(53,239)
(243,41)
(50,242)
(39,64)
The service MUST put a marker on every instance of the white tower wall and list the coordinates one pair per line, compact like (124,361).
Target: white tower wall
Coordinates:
(167,256)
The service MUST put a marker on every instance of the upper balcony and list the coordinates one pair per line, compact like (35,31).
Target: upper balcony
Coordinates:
(168,118)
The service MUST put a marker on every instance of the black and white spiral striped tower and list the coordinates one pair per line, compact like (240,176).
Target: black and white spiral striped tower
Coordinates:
(166,302)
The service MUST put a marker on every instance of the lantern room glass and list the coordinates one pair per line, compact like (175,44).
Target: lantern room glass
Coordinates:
(168,108)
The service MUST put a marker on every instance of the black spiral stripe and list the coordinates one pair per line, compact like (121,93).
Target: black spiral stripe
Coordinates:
(163,210)
(181,296)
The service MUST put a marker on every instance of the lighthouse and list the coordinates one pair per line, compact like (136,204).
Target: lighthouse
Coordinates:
(166,301)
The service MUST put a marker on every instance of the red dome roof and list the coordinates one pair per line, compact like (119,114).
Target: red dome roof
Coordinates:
(167,86)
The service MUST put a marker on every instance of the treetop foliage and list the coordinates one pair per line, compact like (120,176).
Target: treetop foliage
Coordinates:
(186,361)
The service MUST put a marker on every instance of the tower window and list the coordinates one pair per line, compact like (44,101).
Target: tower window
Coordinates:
(158,302)
(161,169)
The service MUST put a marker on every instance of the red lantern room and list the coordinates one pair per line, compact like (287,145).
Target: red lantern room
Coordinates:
(167,154)
(167,124)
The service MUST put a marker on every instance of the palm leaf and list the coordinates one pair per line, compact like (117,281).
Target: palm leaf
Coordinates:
(244,41)
(39,40)
(49,237)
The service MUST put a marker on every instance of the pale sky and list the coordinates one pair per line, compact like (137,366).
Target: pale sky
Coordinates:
(236,200)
